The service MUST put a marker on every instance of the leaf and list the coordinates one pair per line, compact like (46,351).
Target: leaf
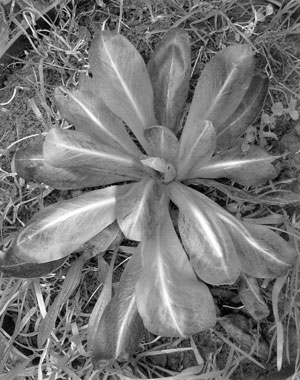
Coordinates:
(279,198)
(205,237)
(121,327)
(169,69)
(294,114)
(277,109)
(251,297)
(85,109)
(170,299)
(58,230)
(249,169)
(262,252)
(30,165)
(246,113)
(162,143)
(13,266)
(102,301)
(123,81)
(138,211)
(4,32)
(72,149)
(197,145)
(221,86)
(155,163)
(269,10)
(71,282)
(165,171)
(278,284)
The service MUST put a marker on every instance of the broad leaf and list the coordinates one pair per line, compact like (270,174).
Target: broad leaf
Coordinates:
(123,80)
(244,115)
(138,211)
(121,327)
(205,237)
(221,86)
(72,149)
(170,299)
(248,169)
(58,230)
(262,252)
(85,109)
(162,143)
(31,165)
(169,69)
(13,266)
(197,145)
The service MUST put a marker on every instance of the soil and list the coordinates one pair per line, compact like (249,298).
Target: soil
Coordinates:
(22,114)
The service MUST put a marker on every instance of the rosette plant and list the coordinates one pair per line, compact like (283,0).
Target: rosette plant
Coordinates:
(129,142)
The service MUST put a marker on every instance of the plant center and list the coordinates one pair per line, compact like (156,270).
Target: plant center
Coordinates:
(166,170)
(169,174)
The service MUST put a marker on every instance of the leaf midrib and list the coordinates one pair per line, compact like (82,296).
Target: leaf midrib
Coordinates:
(124,85)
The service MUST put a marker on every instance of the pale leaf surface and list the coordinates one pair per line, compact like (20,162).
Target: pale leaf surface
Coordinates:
(121,327)
(72,149)
(31,165)
(197,145)
(162,143)
(58,230)
(249,169)
(123,81)
(244,115)
(170,299)
(169,69)
(205,237)
(85,109)
(138,211)
(221,86)
(262,252)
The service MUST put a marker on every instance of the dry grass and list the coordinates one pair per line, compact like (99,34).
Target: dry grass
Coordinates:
(42,338)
